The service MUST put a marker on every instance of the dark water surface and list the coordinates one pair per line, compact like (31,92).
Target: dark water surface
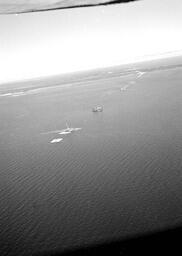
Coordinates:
(120,175)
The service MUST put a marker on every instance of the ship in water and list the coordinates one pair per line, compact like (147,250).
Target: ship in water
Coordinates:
(97,109)
(65,131)
(69,130)
(56,140)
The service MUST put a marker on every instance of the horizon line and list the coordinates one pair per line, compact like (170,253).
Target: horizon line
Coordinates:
(144,58)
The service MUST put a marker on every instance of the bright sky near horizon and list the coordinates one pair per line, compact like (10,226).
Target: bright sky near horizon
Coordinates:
(55,42)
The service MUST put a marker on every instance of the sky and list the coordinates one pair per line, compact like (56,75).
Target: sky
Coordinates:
(55,42)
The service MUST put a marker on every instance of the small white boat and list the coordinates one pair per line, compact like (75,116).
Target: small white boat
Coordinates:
(69,130)
(140,73)
(64,133)
(56,140)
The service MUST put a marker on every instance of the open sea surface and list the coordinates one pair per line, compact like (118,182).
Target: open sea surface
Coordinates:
(118,176)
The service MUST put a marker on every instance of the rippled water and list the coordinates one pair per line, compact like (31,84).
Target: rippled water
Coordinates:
(119,175)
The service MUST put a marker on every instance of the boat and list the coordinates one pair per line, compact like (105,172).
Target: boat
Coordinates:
(56,140)
(65,131)
(97,109)
(69,130)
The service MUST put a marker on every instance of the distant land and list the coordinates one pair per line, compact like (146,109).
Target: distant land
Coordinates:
(163,63)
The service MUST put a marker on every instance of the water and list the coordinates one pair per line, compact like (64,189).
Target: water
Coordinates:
(119,175)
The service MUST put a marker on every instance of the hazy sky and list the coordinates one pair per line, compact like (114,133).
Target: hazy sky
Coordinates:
(54,42)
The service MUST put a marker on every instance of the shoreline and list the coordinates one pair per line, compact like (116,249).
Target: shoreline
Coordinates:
(80,77)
